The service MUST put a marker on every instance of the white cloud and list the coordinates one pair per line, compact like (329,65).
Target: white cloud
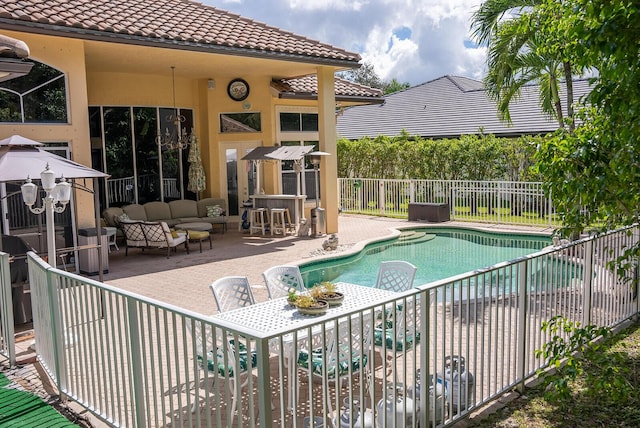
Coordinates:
(411,40)
(331,5)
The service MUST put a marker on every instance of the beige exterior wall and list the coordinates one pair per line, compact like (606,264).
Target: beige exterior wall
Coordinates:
(66,55)
(92,85)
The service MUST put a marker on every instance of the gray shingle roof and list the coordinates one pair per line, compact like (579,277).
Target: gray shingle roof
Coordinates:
(448,107)
(170,23)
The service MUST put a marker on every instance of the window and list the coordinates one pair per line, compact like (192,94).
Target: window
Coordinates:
(298,127)
(38,97)
(240,122)
(140,170)
(299,122)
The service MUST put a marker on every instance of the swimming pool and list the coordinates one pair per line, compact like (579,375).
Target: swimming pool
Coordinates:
(437,252)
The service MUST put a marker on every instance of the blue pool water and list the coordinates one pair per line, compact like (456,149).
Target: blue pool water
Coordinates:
(439,254)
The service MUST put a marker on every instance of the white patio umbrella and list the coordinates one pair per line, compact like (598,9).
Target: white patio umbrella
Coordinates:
(22,158)
(197,178)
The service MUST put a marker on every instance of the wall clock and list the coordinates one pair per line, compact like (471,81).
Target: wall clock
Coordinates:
(238,89)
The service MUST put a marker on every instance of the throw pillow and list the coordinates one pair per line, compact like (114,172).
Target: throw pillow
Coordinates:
(122,217)
(174,233)
(214,211)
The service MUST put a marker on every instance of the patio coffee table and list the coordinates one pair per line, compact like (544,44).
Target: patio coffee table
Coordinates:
(197,232)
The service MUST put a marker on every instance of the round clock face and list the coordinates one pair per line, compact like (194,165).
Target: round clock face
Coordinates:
(238,89)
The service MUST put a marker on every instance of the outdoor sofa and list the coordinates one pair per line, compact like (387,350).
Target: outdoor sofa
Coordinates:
(208,210)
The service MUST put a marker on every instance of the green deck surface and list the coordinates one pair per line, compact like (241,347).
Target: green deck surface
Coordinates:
(24,409)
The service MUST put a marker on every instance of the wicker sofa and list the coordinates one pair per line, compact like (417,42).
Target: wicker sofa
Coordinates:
(172,213)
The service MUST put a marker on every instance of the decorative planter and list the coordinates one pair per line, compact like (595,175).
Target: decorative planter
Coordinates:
(318,308)
(333,299)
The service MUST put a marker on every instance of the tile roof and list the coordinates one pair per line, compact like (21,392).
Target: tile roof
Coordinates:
(308,86)
(448,107)
(181,24)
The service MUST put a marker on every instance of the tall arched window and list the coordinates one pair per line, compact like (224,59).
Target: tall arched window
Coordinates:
(38,97)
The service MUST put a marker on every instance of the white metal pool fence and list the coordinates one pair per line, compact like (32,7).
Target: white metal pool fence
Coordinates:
(135,362)
(506,202)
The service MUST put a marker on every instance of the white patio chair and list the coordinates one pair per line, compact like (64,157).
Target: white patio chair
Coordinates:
(232,292)
(392,335)
(279,279)
(347,353)
(396,275)
(229,357)
(222,361)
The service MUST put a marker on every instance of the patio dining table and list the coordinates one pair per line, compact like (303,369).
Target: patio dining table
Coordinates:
(276,317)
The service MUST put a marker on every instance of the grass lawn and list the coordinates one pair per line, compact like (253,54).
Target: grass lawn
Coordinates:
(592,402)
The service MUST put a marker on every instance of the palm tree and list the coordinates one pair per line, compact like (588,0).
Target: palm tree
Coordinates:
(516,57)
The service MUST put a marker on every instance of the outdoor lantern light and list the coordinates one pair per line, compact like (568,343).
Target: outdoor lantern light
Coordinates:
(317,214)
(55,194)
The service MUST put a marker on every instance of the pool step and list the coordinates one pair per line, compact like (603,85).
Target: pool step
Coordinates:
(408,235)
(414,237)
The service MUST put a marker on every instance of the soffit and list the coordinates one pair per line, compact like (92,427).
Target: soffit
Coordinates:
(119,58)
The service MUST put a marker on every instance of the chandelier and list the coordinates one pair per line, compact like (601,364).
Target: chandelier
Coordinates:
(176,138)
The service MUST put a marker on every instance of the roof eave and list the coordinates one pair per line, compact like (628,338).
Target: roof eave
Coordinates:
(342,98)
(101,36)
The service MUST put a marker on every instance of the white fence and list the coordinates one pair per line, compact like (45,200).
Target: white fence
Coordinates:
(506,202)
(137,362)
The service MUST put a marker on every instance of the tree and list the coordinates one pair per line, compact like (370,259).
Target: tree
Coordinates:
(395,86)
(365,75)
(594,173)
(510,30)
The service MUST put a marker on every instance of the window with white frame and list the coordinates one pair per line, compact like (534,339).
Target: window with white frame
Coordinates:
(38,97)
(298,127)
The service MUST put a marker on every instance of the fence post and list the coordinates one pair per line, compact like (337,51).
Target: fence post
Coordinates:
(587,282)
(412,191)
(264,380)
(136,363)
(381,197)
(549,207)
(7,329)
(522,323)
(424,304)
(58,330)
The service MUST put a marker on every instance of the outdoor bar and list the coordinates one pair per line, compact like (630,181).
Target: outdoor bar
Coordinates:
(294,203)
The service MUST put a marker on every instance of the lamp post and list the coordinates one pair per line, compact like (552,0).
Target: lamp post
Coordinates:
(318,227)
(59,193)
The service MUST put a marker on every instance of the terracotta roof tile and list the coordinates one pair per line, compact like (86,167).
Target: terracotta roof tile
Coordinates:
(309,85)
(182,21)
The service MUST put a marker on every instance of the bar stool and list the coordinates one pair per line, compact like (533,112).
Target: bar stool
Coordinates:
(280,221)
(277,221)
(258,219)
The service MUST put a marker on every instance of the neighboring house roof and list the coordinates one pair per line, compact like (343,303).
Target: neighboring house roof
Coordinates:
(307,88)
(448,107)
(177,24)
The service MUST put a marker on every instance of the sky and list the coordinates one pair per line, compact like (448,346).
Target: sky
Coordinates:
(413,41)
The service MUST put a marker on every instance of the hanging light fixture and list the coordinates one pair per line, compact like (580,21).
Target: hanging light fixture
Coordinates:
(176,138)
